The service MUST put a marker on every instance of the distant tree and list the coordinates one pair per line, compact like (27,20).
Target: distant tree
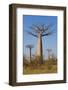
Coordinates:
(30,49)
(49,51)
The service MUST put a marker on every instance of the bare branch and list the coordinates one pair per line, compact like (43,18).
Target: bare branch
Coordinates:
(46,28)
(46,34)
(38,28)
(31,34)
(34,29)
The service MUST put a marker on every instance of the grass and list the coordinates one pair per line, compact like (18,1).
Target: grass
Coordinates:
(46,67)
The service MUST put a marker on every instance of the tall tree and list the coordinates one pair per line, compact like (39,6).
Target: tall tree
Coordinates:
(40,31)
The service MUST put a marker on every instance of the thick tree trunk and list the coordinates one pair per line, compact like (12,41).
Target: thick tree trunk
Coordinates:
(39,51)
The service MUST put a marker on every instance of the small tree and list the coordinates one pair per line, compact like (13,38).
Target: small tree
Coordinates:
(49,51)
(30,49)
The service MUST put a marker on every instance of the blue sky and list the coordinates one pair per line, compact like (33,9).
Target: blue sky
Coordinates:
(49,42)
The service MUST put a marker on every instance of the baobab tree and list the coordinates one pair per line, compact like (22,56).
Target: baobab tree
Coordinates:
(30,49)
(49,51)
(40,31)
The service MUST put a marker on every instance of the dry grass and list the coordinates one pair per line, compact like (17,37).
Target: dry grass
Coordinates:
(46,67)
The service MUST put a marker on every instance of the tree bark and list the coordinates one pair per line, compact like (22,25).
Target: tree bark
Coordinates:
(39,50)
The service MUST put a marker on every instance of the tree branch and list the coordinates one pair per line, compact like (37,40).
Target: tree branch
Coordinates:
(31,34)
(46,34)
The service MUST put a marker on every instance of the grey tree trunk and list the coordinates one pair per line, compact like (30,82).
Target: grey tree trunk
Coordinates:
(39,50)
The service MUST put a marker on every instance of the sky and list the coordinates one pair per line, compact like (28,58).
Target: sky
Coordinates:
(48,42)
